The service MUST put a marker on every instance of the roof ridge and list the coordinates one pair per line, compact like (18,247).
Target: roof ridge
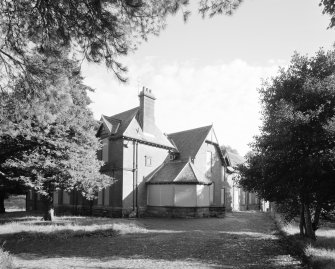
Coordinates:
(204,139)
(154,172)
(203,127)
(181,170)
(126,111)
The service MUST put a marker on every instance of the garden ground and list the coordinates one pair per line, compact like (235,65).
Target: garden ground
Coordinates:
(240,240)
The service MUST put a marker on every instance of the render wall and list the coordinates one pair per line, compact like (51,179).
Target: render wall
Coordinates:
(114,168)
(215,173)
(178,195)
(160,195)
(157,155)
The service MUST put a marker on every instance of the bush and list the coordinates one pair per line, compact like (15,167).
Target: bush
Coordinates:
(6,260)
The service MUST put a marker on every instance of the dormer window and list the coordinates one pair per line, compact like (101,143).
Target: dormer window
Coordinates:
(173,155)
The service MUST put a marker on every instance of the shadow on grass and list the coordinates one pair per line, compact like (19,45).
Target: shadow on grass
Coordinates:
(319,254)
(240,240)
(214,249)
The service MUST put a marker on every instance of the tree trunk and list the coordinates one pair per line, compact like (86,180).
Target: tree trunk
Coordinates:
(2,203)
(302,225)
(49,214)
(315,224)
(310,233)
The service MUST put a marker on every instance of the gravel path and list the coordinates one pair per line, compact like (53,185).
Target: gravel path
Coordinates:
(240,240)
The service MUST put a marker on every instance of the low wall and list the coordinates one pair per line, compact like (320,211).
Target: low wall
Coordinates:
(97,211)
(184,212)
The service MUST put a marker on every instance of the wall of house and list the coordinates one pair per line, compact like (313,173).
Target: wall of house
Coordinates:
(185,195)
(232,191)
(144,169)
(241,200)
(248,201)
(160,195)
(178,195)
(203,195)
(212,170)
(114,168)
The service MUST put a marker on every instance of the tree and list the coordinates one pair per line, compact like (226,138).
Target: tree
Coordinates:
(293,158)
(96,30)
(48,131)
(329,8)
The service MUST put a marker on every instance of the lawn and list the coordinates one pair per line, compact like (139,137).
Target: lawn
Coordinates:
(240,240)
(320,253)
(15,203)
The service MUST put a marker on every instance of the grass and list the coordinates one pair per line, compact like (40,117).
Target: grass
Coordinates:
(65,227)
(319,253)
(6,260)
(15,203)
(240,240)
(19,229)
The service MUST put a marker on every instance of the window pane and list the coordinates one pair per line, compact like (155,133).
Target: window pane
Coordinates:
(211,193)
(223,201)
(242,198)
(105,150)
(209,161)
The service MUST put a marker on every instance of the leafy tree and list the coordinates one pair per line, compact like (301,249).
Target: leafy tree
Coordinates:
(293,159)
(48,131)
(329,8)
(95,30)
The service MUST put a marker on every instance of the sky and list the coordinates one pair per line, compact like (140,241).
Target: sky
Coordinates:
(208,71)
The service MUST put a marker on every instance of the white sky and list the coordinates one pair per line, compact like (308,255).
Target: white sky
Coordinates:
(208,71)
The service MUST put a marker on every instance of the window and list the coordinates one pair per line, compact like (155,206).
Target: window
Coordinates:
(101,197)
(105,150)
(251,200)
(223,196)
(106,196)
(55,197)
(223,176)
(66,198)
(211,193)
(148,161)
(209,161)
(242,198)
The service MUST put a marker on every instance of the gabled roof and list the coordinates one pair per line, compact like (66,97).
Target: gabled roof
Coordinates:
(111,125)
(117,126)
(189,142)
(177,172)
(123,119)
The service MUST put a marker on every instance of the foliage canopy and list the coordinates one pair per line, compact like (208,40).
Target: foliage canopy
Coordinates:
(293,159)
(48,134)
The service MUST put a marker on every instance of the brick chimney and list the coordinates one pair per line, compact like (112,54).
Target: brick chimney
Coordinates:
(147,110)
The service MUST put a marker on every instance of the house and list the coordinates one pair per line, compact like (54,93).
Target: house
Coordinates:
(240,200)
(179,174)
